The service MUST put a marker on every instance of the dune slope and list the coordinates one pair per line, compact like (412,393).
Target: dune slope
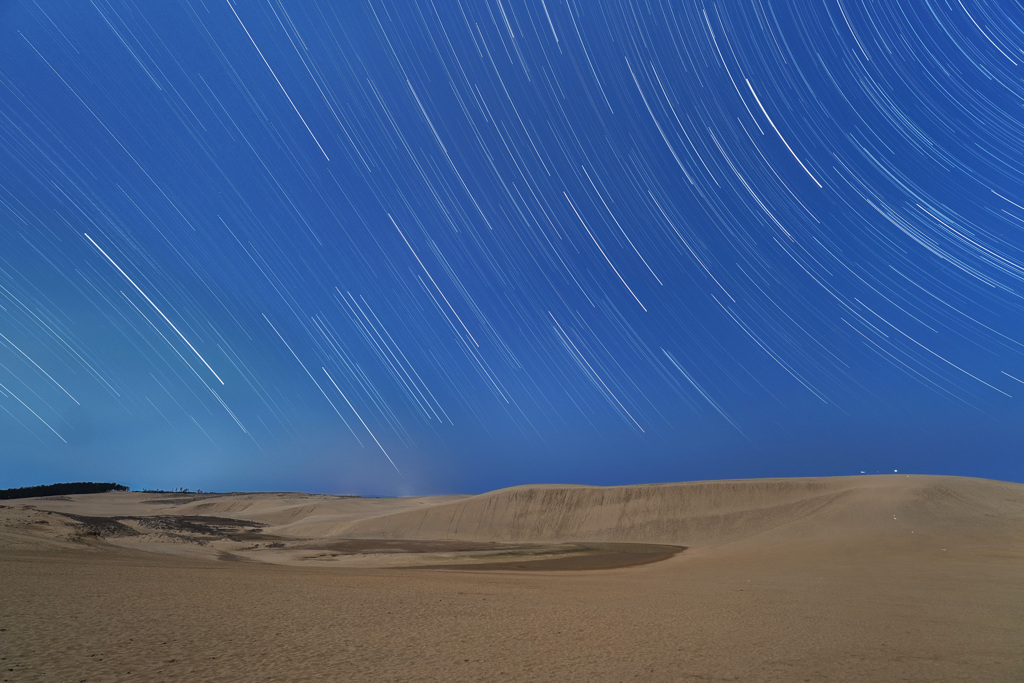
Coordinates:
(710,512)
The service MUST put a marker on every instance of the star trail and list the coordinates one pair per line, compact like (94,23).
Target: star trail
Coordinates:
(415,247)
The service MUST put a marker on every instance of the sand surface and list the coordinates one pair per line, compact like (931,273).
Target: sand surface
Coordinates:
(887,578)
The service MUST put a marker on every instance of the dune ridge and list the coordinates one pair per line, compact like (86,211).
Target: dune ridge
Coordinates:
(690,514)
(703,512)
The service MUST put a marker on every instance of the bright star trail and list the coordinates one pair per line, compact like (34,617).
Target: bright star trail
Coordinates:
(415,247)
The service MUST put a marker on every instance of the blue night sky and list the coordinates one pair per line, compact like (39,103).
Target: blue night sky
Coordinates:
(447,246)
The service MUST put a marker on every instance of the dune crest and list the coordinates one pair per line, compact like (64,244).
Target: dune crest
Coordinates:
(691,514)
(706,512)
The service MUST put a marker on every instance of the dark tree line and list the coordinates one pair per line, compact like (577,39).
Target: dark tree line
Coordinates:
(59,490)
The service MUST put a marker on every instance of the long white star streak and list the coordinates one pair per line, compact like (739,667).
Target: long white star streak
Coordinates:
(155,307)
(277,80)
(600,249)
(29,359)
(361,420)
(392,360)
(359,375)
(619,226)
(593,372)
(450,307)
(178,353)
(758,100)
(15,397)
(310,375)
(703,393)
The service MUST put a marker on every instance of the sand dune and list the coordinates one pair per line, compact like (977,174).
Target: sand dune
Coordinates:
(692,514)
(709,512)
(916,578)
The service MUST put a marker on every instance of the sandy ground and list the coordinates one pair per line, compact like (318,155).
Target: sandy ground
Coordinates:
(888,578)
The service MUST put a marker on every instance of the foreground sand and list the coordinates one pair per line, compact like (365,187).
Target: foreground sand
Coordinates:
(887,578)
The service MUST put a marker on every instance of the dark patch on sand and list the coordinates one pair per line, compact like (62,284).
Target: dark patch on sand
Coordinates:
(568,557)
(104,527)
(191,528)
(366,546)
(219,527)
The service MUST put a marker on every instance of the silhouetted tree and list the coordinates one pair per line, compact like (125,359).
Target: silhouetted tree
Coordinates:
(60,489)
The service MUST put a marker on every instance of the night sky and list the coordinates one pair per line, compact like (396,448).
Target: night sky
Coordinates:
(420,247)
